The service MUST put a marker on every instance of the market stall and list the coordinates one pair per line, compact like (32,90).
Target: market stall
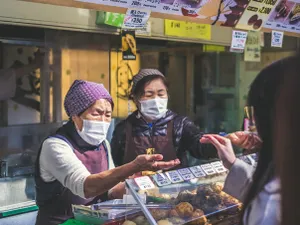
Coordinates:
(185,196)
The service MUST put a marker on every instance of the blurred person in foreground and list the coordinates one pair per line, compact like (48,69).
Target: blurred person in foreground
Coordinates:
(258,188)
(286,145)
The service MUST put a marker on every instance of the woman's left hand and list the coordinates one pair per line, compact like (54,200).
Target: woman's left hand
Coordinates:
(223,146)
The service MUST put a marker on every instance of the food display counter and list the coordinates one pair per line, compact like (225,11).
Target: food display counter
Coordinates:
(191,196)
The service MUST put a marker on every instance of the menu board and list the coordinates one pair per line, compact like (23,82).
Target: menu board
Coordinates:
(256,13)
(285,16)
(214,10)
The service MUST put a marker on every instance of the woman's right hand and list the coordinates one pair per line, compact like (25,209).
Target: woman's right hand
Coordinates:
(154,163)
(223,146)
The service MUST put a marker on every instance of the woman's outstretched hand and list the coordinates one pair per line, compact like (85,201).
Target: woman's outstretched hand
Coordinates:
(223,146)
(154,163)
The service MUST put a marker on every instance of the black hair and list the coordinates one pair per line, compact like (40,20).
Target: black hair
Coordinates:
(139,91)
(263,96)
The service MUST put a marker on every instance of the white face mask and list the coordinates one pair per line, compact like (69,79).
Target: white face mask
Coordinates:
(154,109)
(93,132)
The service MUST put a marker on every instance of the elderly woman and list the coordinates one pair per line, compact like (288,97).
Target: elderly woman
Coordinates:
(153,128)
(74,165)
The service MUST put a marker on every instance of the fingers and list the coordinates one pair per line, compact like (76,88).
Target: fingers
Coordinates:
(165,165)
(214,141)
(155,157)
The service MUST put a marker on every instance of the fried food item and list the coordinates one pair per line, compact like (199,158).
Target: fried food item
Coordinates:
(159,214)
(164,222)
(140,220)
(185,196)
(129,222)
(176,220)
(217,187)
(131,43)
(199,218)
(125,45)
(148,173)
(184,209)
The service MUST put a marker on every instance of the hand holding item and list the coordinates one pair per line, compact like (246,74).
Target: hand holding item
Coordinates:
(246,140)
(154,163)
(223,146)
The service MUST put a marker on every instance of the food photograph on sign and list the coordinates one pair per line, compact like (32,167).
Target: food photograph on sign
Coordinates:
(128,45)
(285,16)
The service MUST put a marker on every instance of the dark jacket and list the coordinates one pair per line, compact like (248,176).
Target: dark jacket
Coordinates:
(186,136)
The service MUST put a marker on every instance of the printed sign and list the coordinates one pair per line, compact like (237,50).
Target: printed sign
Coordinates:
(218,167)
(161,179)
(187,29)
(285,16)
(208,169)
(198,171)
(186,174)
(136,18)
(144,183)
(145,31)
(129,50)
(238,41)
(256,13)
(277,39)
(253,49)
(174,176)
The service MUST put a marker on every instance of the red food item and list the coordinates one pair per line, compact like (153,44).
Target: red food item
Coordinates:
(257,24)
(252,20)
(186,12)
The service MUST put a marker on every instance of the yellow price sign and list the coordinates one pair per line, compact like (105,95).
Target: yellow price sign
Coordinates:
(187,29)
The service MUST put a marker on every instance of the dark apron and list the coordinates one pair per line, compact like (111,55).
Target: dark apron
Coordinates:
(59,209)
(138,145)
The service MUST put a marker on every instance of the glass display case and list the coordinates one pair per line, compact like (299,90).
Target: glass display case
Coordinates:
(191,196)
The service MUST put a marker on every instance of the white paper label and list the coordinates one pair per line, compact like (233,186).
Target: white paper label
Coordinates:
(208,169)
(198,171)
(277,39)
(186,174)
(238,41)
(218,167)
(144,183)
(174,176)
(136,18)
(161,179)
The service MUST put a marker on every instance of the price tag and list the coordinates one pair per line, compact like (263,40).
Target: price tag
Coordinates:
(186,174)
(277,39)
(218,167)
(208,169)
(136,18)
(161,179)
(197,171)
(144,183)
(174,176)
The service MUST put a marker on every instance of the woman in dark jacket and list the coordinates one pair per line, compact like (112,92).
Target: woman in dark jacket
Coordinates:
(155,129)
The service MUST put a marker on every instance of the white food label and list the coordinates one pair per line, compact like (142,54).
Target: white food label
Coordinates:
(144,183)
(218,167)
(197,171)
(208,169)
(136,18)
(161,179)
(186,174)
(174,176)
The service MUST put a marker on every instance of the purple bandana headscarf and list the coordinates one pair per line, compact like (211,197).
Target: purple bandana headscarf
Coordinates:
(82,94)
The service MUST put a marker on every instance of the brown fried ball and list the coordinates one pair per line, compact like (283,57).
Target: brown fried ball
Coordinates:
(184,209)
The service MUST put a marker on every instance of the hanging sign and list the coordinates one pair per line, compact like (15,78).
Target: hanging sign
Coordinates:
(277,39)
(286,16)
(136,18)
(187,29)
(129,50)
(238,40)
(114,19)
(253,50)
(145,31)
(256,13)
